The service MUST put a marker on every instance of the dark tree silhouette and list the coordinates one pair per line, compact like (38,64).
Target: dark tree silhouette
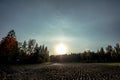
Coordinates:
(11,34)
(102,55)
(117,52)
(109,53)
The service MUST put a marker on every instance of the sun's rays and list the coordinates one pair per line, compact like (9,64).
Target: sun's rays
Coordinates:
(61,49)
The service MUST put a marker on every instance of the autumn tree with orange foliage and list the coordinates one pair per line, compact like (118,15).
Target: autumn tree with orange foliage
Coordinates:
(9,48)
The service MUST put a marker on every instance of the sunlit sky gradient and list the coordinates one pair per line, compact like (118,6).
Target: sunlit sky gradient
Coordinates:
(79,24)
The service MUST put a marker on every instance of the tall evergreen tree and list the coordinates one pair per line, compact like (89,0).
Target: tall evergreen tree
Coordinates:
(102,54)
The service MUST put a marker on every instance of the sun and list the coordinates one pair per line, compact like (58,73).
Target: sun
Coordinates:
(61,49)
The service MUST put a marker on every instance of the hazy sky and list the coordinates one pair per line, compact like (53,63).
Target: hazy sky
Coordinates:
(79,24)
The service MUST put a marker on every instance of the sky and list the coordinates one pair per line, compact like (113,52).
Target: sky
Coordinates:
(79,24)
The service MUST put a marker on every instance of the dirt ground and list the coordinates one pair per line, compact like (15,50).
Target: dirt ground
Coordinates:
(60,71)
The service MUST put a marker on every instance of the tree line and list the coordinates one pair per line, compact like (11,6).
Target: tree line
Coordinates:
(12,51)
(109,54)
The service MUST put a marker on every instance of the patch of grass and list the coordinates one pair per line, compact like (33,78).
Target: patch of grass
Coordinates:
(110,64)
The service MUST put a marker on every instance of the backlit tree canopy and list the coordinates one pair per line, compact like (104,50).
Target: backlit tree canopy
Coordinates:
(9,47)
(28,52)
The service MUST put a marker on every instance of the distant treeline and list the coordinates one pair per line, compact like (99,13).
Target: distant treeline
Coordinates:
(12,51)
(110,54)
